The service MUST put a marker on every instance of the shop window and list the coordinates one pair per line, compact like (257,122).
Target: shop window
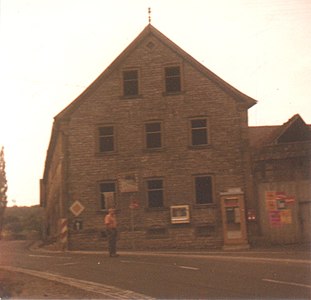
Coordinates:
(172,79)
(153,135)
(155,193)
(203,190)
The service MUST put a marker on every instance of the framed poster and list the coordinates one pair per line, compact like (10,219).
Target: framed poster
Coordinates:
(180,214)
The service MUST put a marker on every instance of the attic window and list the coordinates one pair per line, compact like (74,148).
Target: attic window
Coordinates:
(172,79)
(130,83)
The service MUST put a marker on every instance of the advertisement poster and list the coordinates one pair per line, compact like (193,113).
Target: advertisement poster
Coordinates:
(278,206)
(271,205)
(270,196)
(286,216)
(275,218)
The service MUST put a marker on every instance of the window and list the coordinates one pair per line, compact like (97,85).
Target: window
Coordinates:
(155,193)
(153,135)
(172,79)
(199,132)
(203,190)
(130,83)
(107,195)
(106,139)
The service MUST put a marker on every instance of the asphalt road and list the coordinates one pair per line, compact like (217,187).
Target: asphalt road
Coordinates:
(241,275)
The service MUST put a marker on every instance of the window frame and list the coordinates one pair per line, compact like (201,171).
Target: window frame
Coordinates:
(191,132)
(101,192)
(211,193)
(172,92)
(123,80)
(147,189)
(99,137)
(146,133)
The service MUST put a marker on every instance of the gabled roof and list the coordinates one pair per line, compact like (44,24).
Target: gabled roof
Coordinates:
(294,130)
(150,30)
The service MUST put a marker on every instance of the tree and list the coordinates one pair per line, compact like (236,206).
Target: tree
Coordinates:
(3,188)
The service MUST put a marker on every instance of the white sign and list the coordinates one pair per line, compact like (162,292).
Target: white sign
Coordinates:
(128,183)
(76,208)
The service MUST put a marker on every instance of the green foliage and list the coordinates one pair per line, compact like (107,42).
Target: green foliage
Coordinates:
(19,222)
(3,181)
(3,188)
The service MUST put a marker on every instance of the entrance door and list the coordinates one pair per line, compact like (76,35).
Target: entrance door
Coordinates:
(234,223)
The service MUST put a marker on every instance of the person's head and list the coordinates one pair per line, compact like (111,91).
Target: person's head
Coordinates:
(111,211)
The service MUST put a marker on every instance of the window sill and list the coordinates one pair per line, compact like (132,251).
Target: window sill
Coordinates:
(131,97)
(166,94)
(152,150)
(199,147)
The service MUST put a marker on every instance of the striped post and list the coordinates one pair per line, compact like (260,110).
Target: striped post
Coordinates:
(63,233)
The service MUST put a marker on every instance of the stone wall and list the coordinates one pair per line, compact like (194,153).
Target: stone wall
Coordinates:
(176,162)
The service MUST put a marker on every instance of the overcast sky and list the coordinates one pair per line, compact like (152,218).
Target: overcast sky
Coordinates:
(51,50)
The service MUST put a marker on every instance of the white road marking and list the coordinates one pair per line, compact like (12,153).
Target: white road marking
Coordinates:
(36,255)
(288,283)
(49,256)
(158,264)
(189,268)
(139,262)
(67,264)
(229,257)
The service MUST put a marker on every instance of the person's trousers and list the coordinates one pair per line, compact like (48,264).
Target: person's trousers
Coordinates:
(112,240)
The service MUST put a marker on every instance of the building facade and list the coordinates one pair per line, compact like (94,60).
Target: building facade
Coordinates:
(164,141)
(281,160)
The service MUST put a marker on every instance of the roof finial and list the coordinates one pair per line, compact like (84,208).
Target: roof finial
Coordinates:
(149,15)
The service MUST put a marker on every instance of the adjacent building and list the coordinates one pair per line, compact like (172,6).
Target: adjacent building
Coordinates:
(281,168)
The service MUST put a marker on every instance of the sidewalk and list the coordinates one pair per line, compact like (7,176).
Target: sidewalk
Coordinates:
(295,253)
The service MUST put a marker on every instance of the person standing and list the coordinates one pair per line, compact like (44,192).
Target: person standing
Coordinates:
(111,230)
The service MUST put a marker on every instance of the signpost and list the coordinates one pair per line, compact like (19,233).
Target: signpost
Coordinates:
(133,205)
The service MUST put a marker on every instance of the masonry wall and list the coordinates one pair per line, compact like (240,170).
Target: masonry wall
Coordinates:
(176,163)
(52,187)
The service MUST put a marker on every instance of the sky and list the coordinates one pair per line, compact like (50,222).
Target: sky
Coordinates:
(52,50)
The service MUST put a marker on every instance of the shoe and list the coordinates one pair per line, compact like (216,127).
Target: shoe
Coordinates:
(114,255)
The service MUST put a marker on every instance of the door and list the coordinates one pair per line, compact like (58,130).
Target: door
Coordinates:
(233,216)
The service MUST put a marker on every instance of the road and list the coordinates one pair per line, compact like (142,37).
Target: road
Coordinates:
(250,274)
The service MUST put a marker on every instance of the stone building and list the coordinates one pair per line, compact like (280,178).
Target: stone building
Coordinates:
(162,139)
